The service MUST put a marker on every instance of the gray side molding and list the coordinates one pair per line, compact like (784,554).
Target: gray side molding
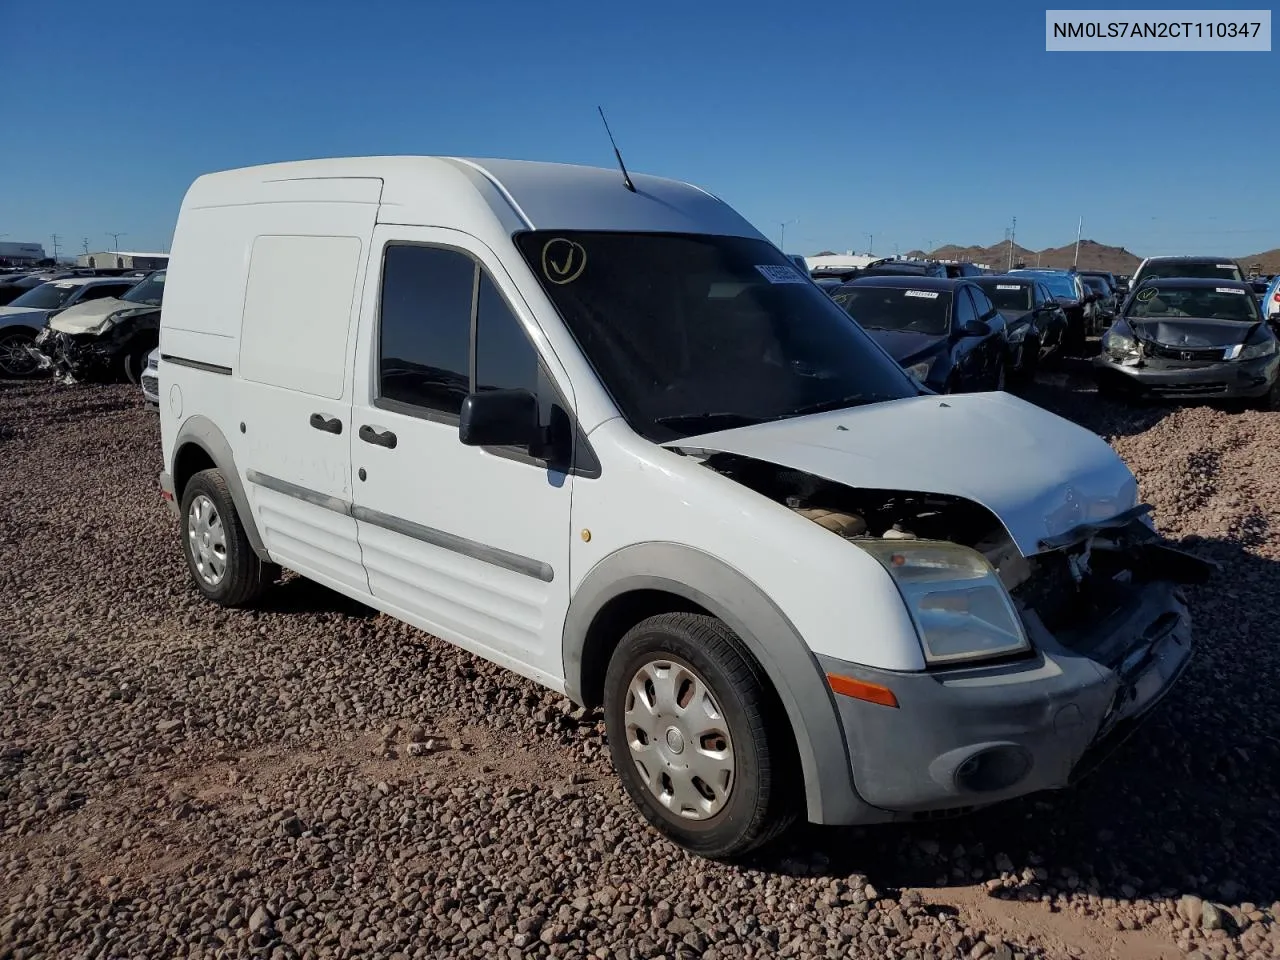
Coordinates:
(205,434)
(727,594)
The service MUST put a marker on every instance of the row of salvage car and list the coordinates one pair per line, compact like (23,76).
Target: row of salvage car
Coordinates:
(1185,327)
(83,328)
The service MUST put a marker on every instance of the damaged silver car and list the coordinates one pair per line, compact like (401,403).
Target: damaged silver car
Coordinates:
(106,339)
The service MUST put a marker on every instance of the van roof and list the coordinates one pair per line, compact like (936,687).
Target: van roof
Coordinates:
(523,194)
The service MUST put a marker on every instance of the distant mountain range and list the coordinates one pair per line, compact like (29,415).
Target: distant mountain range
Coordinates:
(1093,256)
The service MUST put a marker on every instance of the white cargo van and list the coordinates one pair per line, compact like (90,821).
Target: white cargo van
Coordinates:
(603,433)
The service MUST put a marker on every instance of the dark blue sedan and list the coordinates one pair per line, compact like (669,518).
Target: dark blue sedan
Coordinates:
(944,332)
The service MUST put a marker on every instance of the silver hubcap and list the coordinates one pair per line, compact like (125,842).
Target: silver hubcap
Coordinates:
(14,358)
(207,539)
(679,739)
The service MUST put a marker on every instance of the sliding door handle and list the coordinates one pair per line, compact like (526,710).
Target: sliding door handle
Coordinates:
(321,422)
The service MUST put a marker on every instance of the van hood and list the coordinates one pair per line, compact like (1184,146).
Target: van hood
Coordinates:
(1041,475)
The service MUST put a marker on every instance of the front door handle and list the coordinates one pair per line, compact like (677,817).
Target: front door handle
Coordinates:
(321,422)
(386,439)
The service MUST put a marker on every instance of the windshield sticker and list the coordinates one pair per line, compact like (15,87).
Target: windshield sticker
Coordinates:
(927,294)
(1008,286)
(779,273)
(1226,266)
(1228,290)
(1148,294)
(563,260)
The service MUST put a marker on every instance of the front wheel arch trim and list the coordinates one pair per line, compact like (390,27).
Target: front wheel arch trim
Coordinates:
(726,593)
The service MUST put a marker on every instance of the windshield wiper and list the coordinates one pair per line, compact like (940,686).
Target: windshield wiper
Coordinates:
(726,420)
(837,403)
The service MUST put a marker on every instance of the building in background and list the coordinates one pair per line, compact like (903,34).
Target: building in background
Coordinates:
(21,252)
(124,259)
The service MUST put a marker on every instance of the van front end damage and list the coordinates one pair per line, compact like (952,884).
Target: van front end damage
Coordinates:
(1101,606)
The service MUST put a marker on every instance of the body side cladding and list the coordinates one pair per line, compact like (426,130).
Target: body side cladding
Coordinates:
(196,364)
(770,637)
(202,432)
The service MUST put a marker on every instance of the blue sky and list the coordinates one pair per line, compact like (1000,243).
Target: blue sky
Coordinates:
(911,122)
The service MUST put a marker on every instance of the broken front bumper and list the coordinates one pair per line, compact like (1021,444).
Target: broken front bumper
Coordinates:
(965,738)
(78,356)
(1179,379)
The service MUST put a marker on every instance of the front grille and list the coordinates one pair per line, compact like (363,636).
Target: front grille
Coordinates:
(1185,354)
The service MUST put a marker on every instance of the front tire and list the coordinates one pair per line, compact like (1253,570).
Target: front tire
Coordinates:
(134,363)
(697,736)
(15,362)
(222,562)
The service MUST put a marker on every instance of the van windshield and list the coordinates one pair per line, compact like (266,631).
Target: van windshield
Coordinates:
(692,333)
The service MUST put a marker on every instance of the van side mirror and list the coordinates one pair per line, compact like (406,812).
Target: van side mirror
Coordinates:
(499,418)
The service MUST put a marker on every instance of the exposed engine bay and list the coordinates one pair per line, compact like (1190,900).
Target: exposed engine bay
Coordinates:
(1075,583)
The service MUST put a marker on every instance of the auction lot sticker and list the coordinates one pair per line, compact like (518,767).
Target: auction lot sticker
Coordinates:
(1162,31)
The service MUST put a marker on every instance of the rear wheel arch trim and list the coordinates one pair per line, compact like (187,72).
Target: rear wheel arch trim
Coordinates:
(727,594)
(201,432)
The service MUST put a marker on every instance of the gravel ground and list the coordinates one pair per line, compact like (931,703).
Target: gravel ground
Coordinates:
(313,779)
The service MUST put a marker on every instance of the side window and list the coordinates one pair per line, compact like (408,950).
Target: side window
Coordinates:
(505,359)
(982,303)
(424,331)
(963,313)
(101,291)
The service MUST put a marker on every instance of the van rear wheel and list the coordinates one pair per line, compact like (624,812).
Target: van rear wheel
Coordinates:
(697,736)
(222,562)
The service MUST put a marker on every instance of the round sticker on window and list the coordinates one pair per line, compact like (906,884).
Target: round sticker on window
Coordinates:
(563,260)
(1148,294)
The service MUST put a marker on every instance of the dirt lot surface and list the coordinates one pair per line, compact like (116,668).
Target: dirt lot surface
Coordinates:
(312,779)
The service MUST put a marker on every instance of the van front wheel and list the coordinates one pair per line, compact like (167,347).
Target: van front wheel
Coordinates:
(697,737)
(222,562)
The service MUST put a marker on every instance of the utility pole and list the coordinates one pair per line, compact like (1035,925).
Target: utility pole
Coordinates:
(85,243)
(56,240)
(1012,230)
(115,237)
(871,244)
(930,246)
(782,240)
(1079,229)
(895,251)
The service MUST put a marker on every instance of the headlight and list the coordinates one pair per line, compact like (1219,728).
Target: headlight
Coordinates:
(920,370)
(1119,343)
(1252,351)
(960,608)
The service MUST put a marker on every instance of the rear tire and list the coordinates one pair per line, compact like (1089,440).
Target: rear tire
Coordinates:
(222,562)
(698,737)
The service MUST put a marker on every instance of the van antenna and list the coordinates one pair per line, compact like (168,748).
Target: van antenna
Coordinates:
(626,177)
